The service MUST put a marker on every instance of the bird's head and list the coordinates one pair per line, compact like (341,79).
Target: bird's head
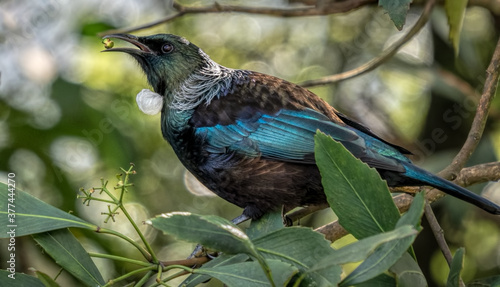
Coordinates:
(167,60)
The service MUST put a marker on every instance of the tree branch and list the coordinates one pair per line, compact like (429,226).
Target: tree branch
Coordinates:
(331,8)
(195,261)
(491,5)
(479,174)
(384,56)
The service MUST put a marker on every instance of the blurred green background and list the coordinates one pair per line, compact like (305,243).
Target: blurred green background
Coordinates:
(68,115)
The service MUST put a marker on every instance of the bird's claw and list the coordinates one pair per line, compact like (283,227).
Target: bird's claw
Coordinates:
(200,251)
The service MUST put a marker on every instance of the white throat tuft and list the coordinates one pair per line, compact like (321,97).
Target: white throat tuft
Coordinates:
(149,102)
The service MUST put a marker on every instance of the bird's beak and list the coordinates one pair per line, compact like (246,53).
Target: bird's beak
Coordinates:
(143,48)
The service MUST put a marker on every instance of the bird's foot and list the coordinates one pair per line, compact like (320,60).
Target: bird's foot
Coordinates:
(200,251)
(197,252)
(287,221)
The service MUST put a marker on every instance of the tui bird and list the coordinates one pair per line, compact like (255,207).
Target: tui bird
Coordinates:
(249,137)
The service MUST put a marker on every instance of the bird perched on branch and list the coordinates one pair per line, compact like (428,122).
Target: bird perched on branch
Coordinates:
(249,137)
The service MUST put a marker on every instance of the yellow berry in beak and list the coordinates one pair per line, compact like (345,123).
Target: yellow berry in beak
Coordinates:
(108,43)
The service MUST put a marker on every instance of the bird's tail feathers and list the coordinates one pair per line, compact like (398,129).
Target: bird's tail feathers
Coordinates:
(450,188)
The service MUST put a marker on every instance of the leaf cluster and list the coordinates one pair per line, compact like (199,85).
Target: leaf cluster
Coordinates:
(265,254)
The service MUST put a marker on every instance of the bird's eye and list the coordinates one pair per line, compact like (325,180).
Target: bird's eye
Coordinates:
(167,48)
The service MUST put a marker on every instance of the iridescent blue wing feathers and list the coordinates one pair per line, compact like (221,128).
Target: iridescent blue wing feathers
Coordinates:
(263,128)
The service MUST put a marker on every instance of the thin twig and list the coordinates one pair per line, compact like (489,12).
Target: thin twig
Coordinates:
(332,8)
(477,128)
(453,81)
(384,56)
(439,235)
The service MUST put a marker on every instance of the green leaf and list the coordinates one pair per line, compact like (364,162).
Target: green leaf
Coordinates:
(250,274)
(408,273)
(456,268)
(222,260)
(328,276)
(361,249)
(303,248)
(486,282)
(63,247)
(46,279)
(210,231)
(33,215)
(397,10)
(355,192)
(381,260)
(414,215)
(93,28)
(455,10)
(393,253)
(300,246)
(19,280)
(383,280)
(268,223)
